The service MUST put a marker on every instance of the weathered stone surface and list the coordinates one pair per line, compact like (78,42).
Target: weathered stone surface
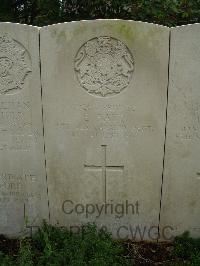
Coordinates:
(181,188)
(23,190)
(104,95)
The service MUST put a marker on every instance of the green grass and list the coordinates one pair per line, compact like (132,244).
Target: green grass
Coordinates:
(187,249)
(55,246)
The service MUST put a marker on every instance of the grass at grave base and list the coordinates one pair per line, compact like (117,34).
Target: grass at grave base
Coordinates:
(187,249)
(54,246)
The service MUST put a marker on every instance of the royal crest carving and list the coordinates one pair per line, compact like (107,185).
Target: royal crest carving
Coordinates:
(104,66)
(14,65)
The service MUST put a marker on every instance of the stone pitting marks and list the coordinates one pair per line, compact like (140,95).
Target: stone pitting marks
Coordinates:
(104,66)
(14,65)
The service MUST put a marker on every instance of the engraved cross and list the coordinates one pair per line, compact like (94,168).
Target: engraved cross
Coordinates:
(104,167)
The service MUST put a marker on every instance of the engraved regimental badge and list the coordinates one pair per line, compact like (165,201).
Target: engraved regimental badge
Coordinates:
(14,65)
(104,66)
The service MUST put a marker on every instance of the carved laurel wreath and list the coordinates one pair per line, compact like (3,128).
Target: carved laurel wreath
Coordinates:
(13,65)
(104,66)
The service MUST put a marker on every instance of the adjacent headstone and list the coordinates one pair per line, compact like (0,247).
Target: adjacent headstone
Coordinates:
(23,189)
(104,95)
(181,187)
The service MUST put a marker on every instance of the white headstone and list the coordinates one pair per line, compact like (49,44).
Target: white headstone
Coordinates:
(23,190)
(104,95)
(181,187)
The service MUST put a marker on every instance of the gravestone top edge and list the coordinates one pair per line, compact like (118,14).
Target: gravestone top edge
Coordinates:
(183,27)
(104,20)
(19,24)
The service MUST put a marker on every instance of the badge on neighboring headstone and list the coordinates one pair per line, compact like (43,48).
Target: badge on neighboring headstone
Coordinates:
(15,65)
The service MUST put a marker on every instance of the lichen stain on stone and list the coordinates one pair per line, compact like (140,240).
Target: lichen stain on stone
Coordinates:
(143,34)
(124,30)
(81,28)
(128,31)
(106,28)
(53,32)
(61,36)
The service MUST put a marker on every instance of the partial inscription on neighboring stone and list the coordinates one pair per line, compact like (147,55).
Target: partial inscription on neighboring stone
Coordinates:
(15,65)
(104,95)
(181,186)
(104,66)
(23,189)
